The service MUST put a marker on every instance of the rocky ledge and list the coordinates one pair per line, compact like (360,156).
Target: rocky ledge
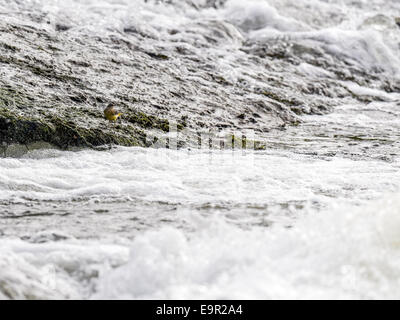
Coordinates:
(56,78)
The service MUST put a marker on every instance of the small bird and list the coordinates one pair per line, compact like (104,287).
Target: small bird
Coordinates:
(111,114)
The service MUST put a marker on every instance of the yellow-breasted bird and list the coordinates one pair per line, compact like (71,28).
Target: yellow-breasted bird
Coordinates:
(111,114)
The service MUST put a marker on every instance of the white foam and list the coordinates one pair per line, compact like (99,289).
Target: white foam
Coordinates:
(362,91)
(344,254)
(256,15)
(162,175)
(54,270)
(351,38)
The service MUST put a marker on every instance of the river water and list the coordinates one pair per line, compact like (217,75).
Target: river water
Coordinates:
(314,215)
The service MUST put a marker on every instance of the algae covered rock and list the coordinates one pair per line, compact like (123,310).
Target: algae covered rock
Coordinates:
(57,73)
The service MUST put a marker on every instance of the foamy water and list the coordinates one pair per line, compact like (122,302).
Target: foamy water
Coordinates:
(180,224)
(315,215)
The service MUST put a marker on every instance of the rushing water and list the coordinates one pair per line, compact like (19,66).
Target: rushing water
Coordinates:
(315,215)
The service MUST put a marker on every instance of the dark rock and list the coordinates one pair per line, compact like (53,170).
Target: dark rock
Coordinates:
(62,27)
(61,81)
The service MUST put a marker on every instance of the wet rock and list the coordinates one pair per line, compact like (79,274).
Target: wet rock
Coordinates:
(56,103)
(46,236)
(215,3)
(217,32)
(55,84)
(40,145)
(62,27)
(16,150)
